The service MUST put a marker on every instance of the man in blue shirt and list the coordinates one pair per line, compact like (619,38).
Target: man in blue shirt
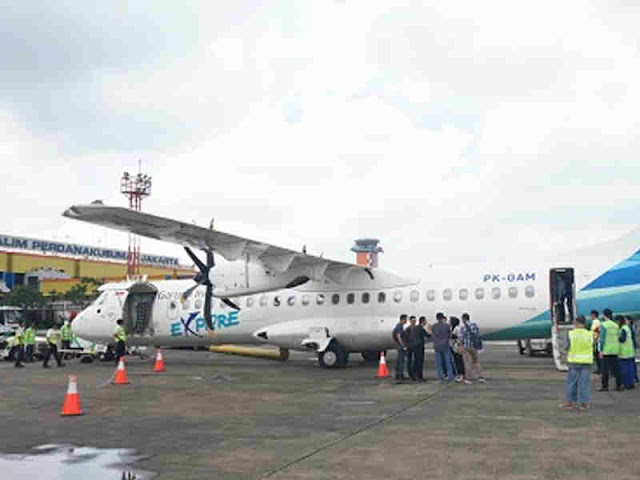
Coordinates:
(401,346)
(440,335)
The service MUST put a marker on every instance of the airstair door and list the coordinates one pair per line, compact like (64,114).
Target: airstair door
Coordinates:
(562,305)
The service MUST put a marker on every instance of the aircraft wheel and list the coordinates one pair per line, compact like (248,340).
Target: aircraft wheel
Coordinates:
(371,356)
(520,347)
(528,348)
(333,357)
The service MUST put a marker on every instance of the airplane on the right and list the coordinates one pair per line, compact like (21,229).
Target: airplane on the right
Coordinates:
(272,295)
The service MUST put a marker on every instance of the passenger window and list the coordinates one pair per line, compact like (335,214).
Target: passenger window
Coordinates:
(529,291)
(365,297)
(447,294)
(263,301)
(320,299)
(276,301)
(431,295)
(305,299)
(415,295)
(513,292)
(250,301)
(463,294)
(335,298)
(495,293)
(351,297)
(198,303)
(382,297)
(397,296)
(479,293)
(291,301)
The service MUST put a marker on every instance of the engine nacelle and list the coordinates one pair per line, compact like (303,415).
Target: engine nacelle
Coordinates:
(253,278)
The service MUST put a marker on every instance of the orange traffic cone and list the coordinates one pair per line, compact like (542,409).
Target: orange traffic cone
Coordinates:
(120,377)
(159,366)
(382,367)
(71,404)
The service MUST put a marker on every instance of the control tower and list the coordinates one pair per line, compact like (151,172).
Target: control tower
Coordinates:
(367,250)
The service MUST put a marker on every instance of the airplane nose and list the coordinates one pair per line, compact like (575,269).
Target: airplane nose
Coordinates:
(79,324)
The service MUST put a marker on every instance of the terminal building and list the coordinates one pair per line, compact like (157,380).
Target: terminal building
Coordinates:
(56,266)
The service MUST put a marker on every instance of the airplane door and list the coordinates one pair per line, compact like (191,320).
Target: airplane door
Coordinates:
(562,289)
(562,306)
(138,309)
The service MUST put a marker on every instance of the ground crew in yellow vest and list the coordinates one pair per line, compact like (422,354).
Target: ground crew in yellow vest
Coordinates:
(579,358)
(18,346)
(595,329)
(609,349)
(29,342)
(53,338)
(120,337)
(627,357)
(67,337)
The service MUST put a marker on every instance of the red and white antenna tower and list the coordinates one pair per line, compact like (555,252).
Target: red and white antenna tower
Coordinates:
(135,188)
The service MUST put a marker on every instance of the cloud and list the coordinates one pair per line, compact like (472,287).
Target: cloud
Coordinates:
(449,130)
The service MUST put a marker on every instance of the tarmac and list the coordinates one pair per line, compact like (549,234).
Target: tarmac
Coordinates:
(216,416)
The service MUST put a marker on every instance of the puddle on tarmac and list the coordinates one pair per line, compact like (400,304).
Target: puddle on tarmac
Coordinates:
(67,462)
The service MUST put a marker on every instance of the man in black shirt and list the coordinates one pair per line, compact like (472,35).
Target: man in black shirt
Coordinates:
(412,344)
(401,346)
(422,336)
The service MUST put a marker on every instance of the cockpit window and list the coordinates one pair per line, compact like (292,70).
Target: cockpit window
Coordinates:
(101,299)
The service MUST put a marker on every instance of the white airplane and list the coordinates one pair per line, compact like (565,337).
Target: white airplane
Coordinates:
(272,295)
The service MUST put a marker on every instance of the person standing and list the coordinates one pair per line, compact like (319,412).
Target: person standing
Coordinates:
(629,320)
(120,337)
(470,341)
(627,356)
(609,350)
(29,342)
(67,337)
(440,334)
(579,358)
(595,330)
(18,345)
(456,350)
(412,342)
(423,335)
(53,339)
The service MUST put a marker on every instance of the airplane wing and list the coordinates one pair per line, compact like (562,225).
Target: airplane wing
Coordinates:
(229,246)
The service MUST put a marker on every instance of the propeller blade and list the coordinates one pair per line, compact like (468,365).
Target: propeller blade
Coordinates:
(207,307)
(210,261)
(230,303)
(201,266)
(189,291)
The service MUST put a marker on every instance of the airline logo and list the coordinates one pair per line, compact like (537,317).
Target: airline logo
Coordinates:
(193,325)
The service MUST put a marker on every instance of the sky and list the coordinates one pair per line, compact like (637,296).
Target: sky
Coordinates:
(452,131)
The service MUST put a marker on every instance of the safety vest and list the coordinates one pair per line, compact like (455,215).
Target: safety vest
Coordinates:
(29,336)
(612,341)
(18,337)
(581,346)
(67,333)
(626,347)
(53,337)
(121,334)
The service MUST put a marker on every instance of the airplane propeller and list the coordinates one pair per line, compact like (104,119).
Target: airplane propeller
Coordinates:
(202,278)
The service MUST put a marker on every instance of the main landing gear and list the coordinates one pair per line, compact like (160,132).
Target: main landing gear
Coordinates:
(334,356)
